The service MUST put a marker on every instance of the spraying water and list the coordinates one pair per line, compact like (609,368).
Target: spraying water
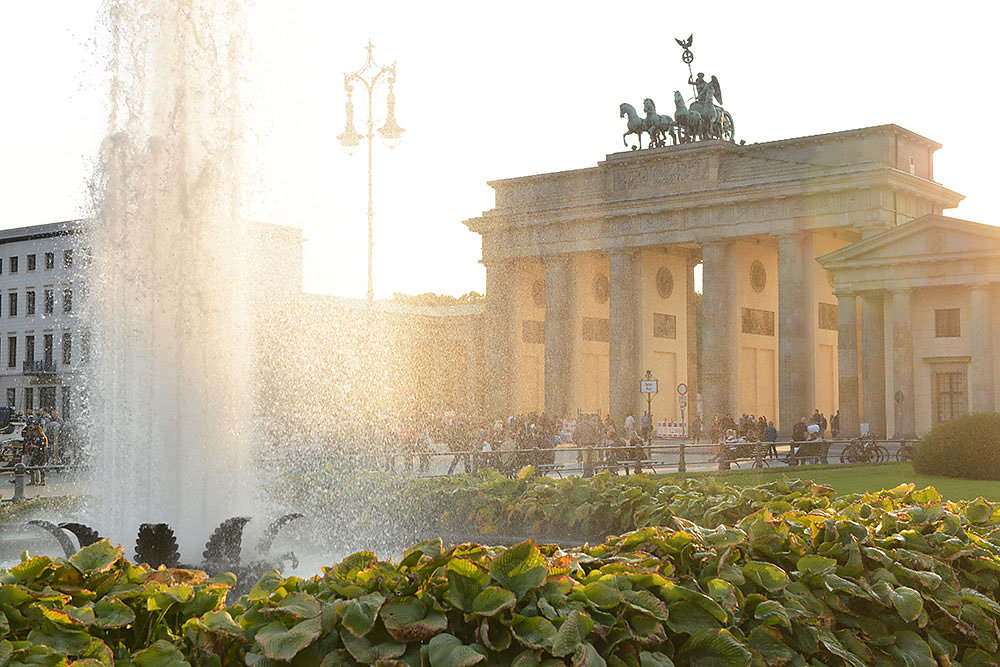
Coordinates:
(170,397)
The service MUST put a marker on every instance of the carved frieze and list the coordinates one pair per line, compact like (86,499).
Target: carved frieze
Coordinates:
(828,316)
(597,329)
(759,322)
(662,175)
(533,332)
(664,326)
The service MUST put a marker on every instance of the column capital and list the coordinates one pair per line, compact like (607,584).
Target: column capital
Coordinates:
(623,252)
(845,294)
(978,287)
(797,235)
(900,290)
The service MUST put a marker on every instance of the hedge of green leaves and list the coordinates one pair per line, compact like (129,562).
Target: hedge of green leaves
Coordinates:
(896,577)
(571,509)
(967,447)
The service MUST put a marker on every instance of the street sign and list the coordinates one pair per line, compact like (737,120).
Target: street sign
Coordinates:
(683,400)
(682,389)
(648,386)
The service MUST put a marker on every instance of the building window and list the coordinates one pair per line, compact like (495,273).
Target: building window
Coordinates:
(13,264)
(47,398)
(11,397)
(12,352)
(50,260)
(47,351)
(29,302)
(50,301)
(67,259)
(31,262)
(947,323)
(67,348)
(84,347)
(1,265)
(65,403)
(12,304)
(29,349)
(67,300)
(29,398)
(950,394)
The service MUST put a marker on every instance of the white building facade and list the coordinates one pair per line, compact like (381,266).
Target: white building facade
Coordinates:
(42,347)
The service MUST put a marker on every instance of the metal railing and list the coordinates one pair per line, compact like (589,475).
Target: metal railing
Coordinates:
(39,367)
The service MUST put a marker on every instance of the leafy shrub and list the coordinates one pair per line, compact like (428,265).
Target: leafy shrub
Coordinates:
(895,577)
(967,447)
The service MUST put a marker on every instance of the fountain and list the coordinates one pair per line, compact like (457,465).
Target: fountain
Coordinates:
(170,392)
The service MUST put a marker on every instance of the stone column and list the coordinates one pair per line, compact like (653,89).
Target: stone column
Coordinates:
(719,333)
(981,368)
(560,330)
(847,363)
(692,344)
(873,362)
(625,334)
(796,313)
(500,342)
(902,364)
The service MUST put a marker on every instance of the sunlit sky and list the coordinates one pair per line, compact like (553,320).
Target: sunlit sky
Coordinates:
(489,91)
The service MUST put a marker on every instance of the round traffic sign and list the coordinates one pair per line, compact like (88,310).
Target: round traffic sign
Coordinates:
(682,389)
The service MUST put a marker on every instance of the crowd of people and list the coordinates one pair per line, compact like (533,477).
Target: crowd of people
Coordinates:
(42,444)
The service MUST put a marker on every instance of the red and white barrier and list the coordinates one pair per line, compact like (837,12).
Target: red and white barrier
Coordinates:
(670,429)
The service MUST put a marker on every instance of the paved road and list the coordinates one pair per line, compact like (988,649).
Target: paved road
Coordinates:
(699,458)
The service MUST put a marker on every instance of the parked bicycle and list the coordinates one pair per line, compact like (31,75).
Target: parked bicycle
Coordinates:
(864,450)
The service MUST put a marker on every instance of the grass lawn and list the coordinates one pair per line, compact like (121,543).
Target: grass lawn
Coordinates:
(860,478)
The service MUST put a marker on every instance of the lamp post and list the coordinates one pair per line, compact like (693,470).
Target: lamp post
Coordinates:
(370,75)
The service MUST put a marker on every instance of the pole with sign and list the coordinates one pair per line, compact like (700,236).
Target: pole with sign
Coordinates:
(682,400)
(649,386)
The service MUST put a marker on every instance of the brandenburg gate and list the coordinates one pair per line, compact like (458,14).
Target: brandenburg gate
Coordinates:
(590,277)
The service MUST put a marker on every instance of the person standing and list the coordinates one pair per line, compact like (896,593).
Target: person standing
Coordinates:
(771,437)
(647,426)
(835,425)
(586,436)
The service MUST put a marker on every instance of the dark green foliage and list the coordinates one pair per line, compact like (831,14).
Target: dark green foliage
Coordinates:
(967,447)
(803,578)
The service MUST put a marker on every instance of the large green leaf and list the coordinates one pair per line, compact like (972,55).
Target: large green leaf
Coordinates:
(446,650)
(908,603)
(533,631)
(912,651)
(408,619)
(98,557)
(766,575)
(571,633)
(280,643)
(492,600)
(520,568)
(297,606)
(688,617)
(714,648)
(648,659)
(465,580)
(112,613)
(161,654)
(359,617)
(62,639)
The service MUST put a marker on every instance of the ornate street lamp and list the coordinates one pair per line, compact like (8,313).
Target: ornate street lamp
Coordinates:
(370,75)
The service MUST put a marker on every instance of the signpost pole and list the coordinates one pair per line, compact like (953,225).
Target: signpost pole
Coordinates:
(682,399)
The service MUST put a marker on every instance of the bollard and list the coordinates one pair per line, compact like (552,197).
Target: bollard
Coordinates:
(681,463)
(19,471)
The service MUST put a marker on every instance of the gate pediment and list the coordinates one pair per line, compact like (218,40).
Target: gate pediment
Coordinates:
(931,238)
